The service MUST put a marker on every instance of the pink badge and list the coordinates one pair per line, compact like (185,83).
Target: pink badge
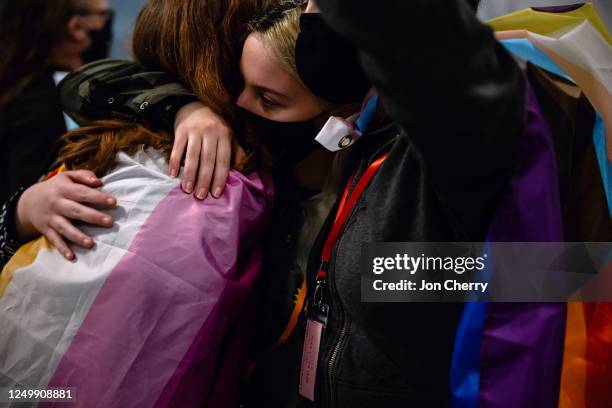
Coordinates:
(310,358)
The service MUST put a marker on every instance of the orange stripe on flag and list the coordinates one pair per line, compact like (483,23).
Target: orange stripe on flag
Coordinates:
(574,372)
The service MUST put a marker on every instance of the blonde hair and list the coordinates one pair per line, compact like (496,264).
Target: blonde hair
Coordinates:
(278,29)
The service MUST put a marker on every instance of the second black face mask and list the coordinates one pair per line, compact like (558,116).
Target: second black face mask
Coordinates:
(328,65)
(100,42)
(287,142)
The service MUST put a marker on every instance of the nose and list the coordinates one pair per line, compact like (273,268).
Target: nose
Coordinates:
(242,99)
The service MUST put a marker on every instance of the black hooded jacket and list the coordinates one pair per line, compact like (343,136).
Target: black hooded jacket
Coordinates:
(458,99)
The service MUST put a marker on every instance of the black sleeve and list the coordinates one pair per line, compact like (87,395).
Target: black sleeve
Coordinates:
(114,89)
(457,95)
(9,240)
(32,134)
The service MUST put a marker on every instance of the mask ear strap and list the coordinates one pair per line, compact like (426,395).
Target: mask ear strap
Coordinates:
(367,114)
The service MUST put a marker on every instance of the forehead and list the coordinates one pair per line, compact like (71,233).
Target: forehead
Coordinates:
(260,66)
(95,5)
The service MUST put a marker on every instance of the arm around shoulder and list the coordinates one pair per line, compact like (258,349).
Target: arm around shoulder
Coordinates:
(116,89)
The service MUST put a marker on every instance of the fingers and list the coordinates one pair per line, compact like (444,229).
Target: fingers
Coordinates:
(194,146)
(201,135)
(224,154)
(49,208)
(88,195)
(85,177)
(72,210)
(178,150)
(58,242)
(207,166)
(68,231)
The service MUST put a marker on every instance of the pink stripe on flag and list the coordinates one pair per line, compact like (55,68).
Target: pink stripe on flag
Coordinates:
(182,283)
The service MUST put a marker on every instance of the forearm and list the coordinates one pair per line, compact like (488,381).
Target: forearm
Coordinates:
(434,64)
(113,89)
(457,95)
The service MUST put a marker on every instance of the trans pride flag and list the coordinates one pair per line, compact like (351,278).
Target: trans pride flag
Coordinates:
(158,313)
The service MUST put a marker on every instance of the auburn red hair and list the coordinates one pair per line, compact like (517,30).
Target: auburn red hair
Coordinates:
(198,42)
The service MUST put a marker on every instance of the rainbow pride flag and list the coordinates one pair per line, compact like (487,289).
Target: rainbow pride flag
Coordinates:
(548,354)
(573,42)
(158,313)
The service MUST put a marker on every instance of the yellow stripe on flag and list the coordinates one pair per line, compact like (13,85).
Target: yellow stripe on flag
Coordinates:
(547,23)
(25,256)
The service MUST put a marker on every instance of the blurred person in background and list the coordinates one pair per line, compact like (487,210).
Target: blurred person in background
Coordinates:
(40,37)
(97,17)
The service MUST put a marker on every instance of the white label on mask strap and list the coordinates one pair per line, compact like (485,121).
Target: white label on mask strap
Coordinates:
(337,134)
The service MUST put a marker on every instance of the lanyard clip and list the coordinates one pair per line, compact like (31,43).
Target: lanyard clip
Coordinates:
(320,289)
(322,274)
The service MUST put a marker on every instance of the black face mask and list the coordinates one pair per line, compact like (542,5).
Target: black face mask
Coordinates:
(474,4)
(288,142)
(100,42)
(327,64)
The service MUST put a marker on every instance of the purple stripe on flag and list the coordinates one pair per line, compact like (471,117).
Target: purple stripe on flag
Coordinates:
(521,355)
(170,301)
(522,344)
(558,9)
(191,386)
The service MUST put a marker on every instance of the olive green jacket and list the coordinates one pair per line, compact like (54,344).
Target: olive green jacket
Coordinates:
(116,89)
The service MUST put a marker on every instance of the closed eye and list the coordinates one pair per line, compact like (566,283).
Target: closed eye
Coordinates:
(267,102)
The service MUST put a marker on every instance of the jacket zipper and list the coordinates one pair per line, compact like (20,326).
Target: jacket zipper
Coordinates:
(339,345)
(333,358)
